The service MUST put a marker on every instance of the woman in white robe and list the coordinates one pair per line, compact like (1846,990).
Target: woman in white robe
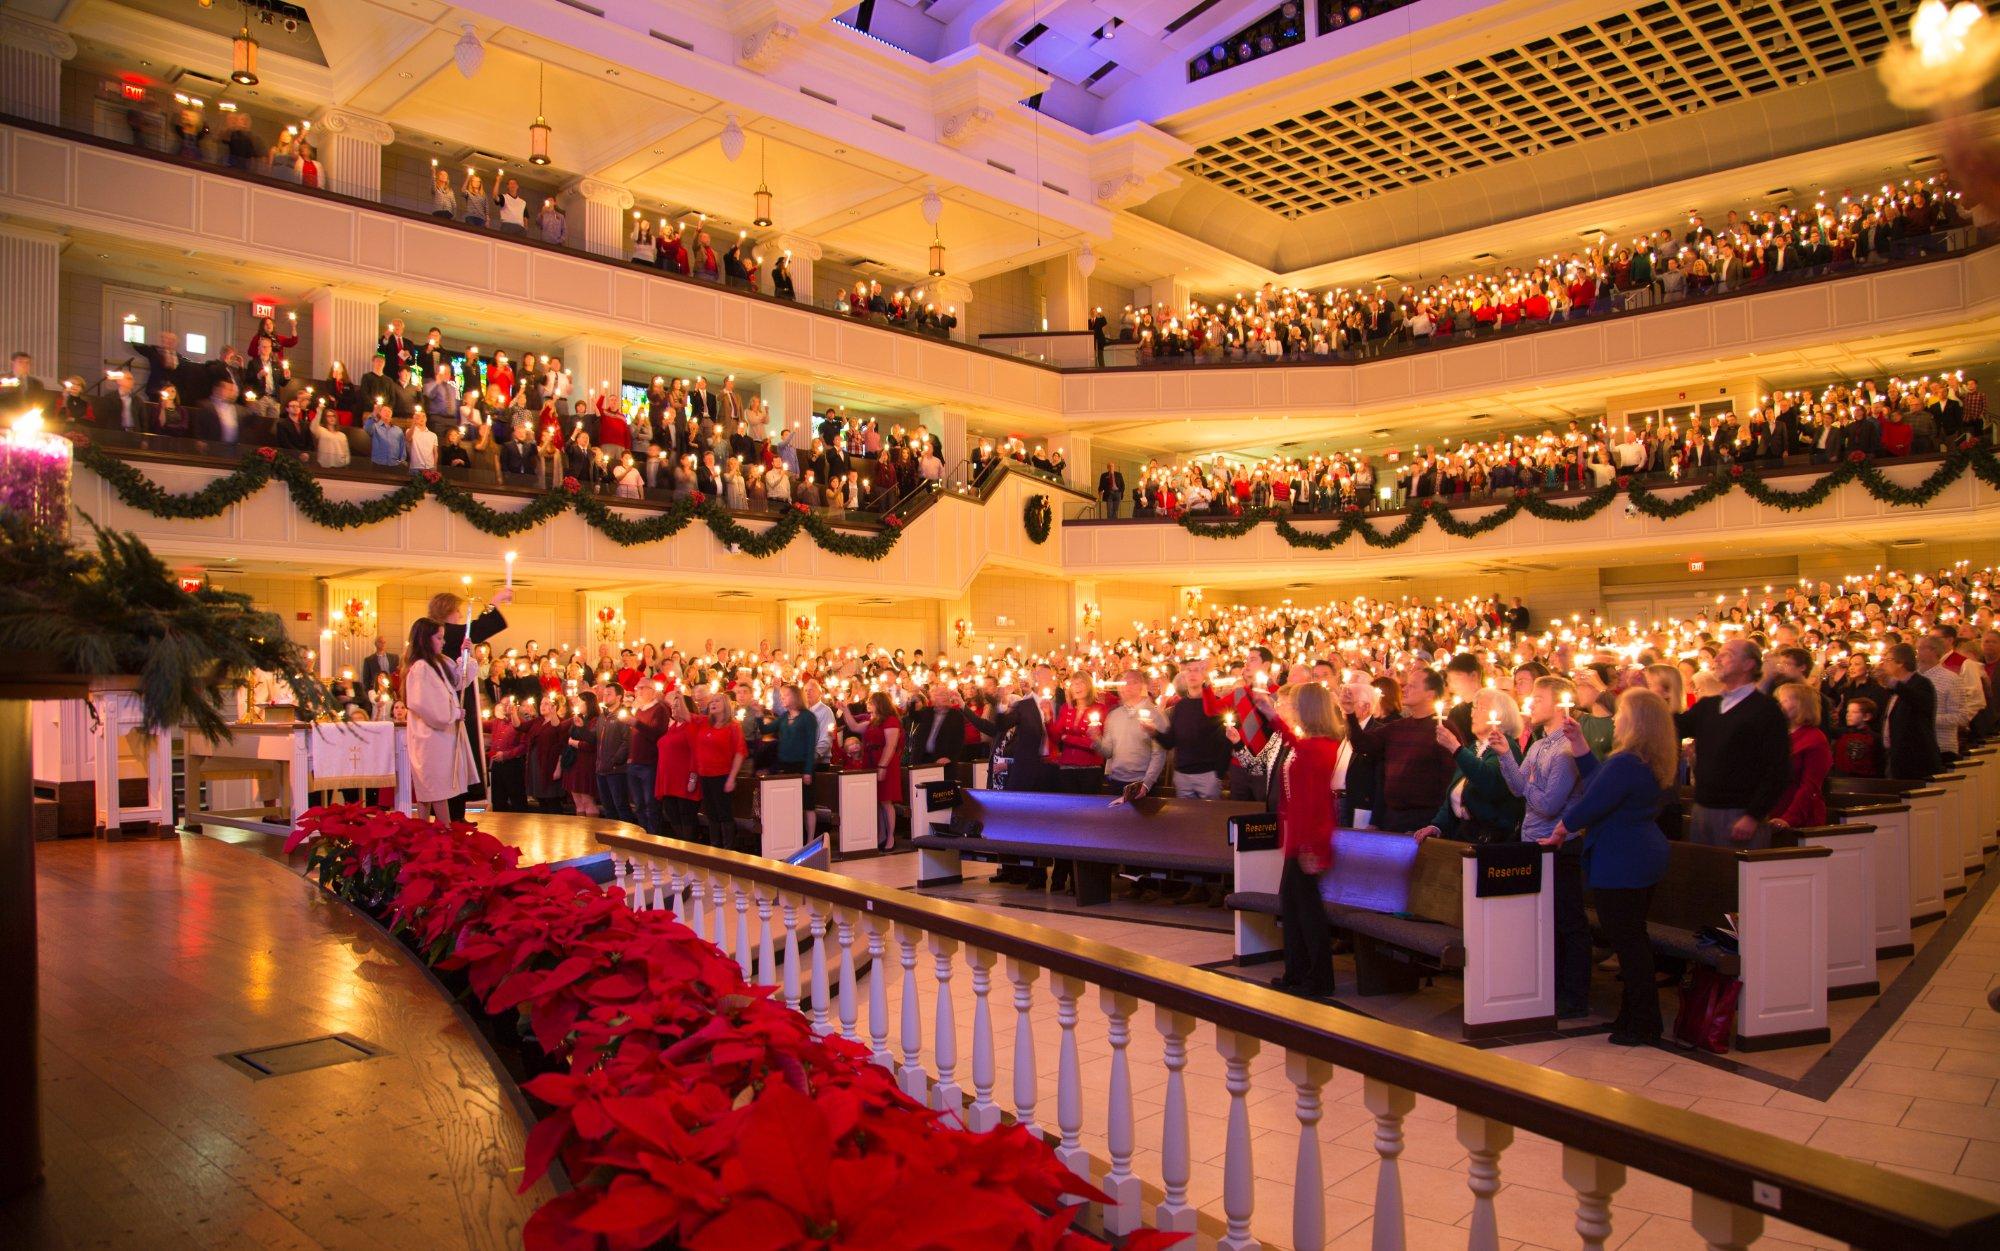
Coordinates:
(441,764)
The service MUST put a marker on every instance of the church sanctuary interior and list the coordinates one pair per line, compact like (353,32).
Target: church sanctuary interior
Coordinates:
(999,625)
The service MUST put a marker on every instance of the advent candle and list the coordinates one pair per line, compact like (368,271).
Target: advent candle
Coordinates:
(34,474)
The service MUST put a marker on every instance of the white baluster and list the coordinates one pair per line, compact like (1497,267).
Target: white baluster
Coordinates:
(1121,1215)
(910,1071)
(1723,1225)
(740,891)
(659,894)
(1239,1193)
(984,1114)
(767,956)
(1595,1180)
(788,982)
(843,920)
(1308,1075)
(946,1096)
(1390,1104)
(1023,977)
(1174,1213)
(1483,1139)
(878,993)
(621,876)
(1069,1079)
(697,907)
(719,910)
(674,884)
(816,927)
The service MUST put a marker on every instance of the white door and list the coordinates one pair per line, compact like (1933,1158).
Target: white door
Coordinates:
(134,317)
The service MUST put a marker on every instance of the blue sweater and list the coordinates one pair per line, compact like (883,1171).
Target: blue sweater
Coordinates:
(1623,848)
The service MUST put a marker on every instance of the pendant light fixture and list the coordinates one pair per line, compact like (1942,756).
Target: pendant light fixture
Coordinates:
(243,55)
(937,257)
(538,134)
(762,216)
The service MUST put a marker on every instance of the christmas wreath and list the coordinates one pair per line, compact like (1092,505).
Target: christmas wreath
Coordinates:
(1038,517)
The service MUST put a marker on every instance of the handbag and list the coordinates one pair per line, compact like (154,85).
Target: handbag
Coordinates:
(1707,1016)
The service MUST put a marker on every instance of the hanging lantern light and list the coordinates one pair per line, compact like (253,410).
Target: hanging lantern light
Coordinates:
(732,138)
(937,257)
(538,133)
(468,52)
(243,58)
(762,215)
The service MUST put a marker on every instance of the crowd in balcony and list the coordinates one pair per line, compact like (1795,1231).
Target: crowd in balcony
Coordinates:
(1880,419)
(1746,249)
(1460,720)
(421,407)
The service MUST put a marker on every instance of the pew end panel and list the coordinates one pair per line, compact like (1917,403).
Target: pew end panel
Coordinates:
(1510,954)
(781,807)
(1890,872)
(1257,862)
(1852,857)
(855,811)
(1782,900)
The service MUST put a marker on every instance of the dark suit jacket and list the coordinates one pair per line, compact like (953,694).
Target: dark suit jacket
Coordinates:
(481,628)
(108,411)
(1912,725)
(375,666)
(1021,729)
(950,740)
(1111,484)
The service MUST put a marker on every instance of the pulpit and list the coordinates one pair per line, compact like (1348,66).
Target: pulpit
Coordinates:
(269,771)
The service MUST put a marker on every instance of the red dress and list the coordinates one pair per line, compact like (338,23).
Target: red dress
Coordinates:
(676,757)
(889,775)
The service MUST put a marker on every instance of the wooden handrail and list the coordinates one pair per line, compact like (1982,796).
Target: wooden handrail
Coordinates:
(1843,1198)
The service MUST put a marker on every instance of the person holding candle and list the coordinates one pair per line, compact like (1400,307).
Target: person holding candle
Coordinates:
(1310,727)
(881,733)
(442,763)
(461,638)
(1416,758)
(1480,806)
(1742,753)
(1546,778)
(1624,853)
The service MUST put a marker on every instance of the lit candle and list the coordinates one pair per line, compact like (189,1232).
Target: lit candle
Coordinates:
(34,474)
(510,558)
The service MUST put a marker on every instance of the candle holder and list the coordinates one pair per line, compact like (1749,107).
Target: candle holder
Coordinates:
(35,475)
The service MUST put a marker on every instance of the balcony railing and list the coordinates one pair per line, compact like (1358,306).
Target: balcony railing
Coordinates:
(755,908)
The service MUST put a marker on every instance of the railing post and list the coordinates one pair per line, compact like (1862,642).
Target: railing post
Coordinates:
(816,927)
(1023,975)
(946,1096)
(1308,1076)
(659,901)
(1723,1225)
(719,911)
(697,913)
(1483,1139)
(984,1114)
(1595,1179)
(767,956)
(1174,1213)
(843,923)
(1239,1196)
(1121,1215)
(1069,1078)
(789,981)
(1389,1104)
(910,1071)
(878,992)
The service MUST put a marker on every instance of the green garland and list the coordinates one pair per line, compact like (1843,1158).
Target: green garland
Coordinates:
(1979,459)
(1038,517)
(138,491)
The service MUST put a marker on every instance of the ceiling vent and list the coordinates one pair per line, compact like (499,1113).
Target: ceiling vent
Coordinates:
(198,80)
(732,595)
(1591,232)
(1923,353)
(1483,257)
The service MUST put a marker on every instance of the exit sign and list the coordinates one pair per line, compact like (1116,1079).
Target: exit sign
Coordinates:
(1696,565)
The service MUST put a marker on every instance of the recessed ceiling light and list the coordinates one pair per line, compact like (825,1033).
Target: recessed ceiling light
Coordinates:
(402,73)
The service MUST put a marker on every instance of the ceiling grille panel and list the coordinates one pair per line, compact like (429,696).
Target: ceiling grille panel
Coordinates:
(1612,75)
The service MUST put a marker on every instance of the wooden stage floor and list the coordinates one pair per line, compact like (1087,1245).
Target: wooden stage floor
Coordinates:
(157,957)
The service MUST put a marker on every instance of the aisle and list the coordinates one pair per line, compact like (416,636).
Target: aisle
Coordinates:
(159,957)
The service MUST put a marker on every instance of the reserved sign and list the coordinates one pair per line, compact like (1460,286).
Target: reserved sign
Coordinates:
(1507,869)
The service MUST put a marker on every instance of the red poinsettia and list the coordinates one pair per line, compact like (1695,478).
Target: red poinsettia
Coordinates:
(432,476)
(268,453)
(892,521)
(802,507)
(695,1109)
(571,485)
(697,499)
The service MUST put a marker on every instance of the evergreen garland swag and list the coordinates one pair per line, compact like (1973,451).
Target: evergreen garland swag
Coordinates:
(1038,517)
(138,491)
(1978,458)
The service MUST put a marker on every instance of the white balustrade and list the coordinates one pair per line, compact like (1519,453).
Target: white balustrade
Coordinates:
(1122,1215)
(1389,1105)
(910,1072)
(1483,1139)
(878,993)
(1308,1076)
(946,1095)
(1723,1225)
(1174,1212)
(741,894)
(984,1114)
(1022,975)
(843,922)
(767,955)
(816,929)
(1594,1179)
(1239,1194)
(1069,1077)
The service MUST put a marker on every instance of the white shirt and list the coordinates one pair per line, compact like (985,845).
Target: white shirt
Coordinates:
(423,448)
(513,210)
(1949,702)
(1736,695)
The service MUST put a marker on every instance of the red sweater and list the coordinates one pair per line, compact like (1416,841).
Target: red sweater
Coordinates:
(715,746)
(1804,801)
(1306,803)
(676,761)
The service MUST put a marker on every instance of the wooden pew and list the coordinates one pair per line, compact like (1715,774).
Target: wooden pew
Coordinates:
(1169,835)
(1852,856)
(781,814)
(1928,870)
(1780,897)
(854,810)
(1891,871)
(1977,767)
(1415,906)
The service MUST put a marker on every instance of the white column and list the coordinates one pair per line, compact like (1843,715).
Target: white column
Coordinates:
(955,297)
(31,55)
(598,214)
(29,315)
(592,363)
(1066,292)
(948,424)
(346,326)
(802,252)
(790,397)
(350,149)
(1172,292)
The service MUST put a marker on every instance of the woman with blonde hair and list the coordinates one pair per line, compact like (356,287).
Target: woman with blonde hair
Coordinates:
(1624,852)
(1804,800)
(1666,682)
(1305,717)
